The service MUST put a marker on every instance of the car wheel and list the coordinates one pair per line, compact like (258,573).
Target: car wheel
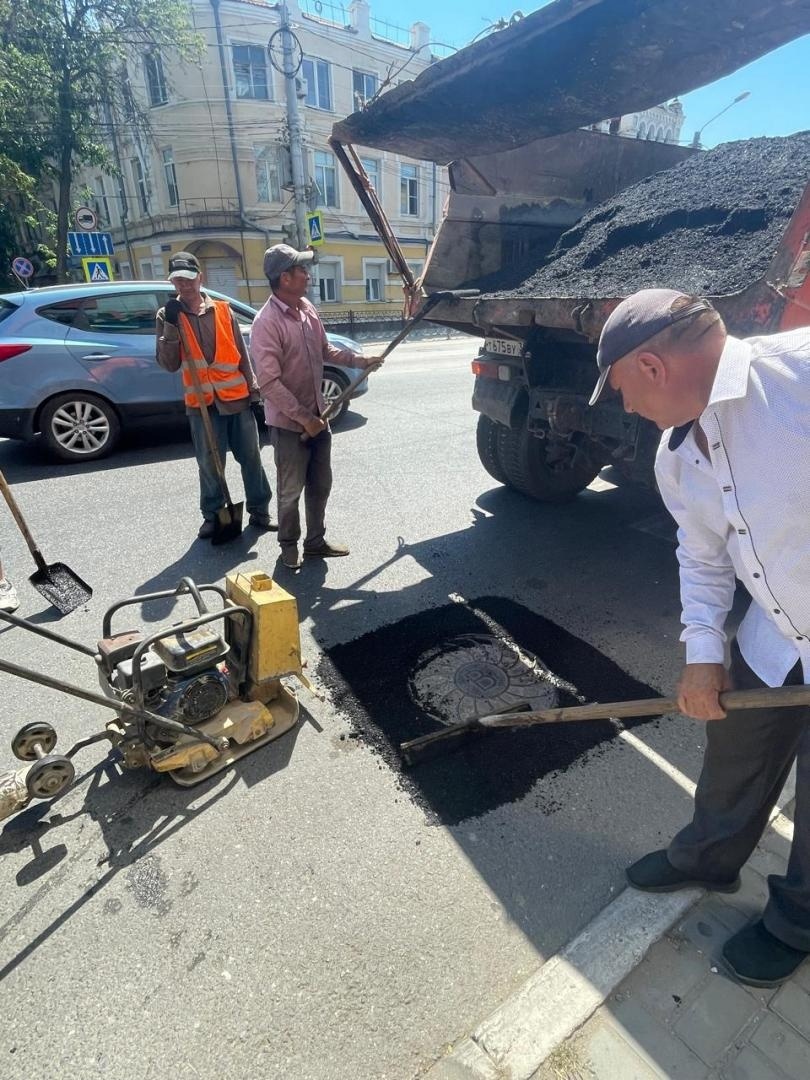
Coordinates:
(79,427)
(332,387)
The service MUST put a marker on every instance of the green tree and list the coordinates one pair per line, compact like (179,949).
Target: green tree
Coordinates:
(63,82)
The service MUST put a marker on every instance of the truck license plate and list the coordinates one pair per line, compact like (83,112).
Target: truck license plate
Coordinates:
(503,347)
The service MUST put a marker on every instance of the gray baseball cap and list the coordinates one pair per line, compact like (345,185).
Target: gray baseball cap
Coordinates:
(184,264)
(637,319)
(282,257)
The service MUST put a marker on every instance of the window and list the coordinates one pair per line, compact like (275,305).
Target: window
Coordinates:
(364,86)
(409,190)
(155,80)
(171,176)
(268,174)
(120,313)
(63,313)
(100,199)
(125,271)
(374,173)
(139,184)
(319,84)
(250,71)
(326,178)
(327,275)
(374,274)
(152,270)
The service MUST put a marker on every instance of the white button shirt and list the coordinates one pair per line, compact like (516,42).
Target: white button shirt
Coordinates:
(746,512)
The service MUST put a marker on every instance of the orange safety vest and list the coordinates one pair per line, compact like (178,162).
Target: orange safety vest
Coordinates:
(223,377)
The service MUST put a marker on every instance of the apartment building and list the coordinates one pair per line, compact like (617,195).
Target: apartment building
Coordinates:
(213,174)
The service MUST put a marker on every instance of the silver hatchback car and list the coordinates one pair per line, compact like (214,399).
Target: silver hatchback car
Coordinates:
(77,363)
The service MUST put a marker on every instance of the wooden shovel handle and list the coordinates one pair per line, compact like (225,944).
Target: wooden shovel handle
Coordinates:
(210,437)
(764,698)
(16,513)
(430,303)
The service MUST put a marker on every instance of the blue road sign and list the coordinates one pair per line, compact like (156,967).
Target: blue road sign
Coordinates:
(22,267)
(99,269)
(91,243)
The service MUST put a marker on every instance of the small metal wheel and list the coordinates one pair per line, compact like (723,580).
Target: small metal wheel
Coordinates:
(50,776)
(31,735)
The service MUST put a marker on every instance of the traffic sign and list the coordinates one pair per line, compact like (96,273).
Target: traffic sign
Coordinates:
(86,218)
(98,269)
(22,267)
(91,243)
(315,228)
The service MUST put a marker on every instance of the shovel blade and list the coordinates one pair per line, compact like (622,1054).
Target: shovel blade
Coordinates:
(61,587)
(228,523)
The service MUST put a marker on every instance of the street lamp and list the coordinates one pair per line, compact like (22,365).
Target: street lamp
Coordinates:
(699,132)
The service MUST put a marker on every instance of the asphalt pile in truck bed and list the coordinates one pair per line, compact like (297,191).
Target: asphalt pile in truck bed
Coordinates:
(710,225)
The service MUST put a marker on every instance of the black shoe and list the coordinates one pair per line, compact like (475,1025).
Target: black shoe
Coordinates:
(655,873)
(326,551)
(206,530)
(756,957)
(291,558)
(263,522)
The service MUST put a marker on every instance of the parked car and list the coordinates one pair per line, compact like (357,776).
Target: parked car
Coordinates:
(77,364)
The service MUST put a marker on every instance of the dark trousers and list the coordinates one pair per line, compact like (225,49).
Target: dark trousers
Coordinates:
(747,760)
(238,433)
(301,467)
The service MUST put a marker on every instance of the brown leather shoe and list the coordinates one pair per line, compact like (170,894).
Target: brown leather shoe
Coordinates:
(326,551)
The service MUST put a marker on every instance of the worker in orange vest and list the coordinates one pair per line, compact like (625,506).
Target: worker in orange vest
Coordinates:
(218,351)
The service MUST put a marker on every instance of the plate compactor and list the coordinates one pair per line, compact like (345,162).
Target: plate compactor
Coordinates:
(190,699)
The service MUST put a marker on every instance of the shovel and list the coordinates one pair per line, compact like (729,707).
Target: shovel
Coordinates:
(767,697)
(334,406)
(228,522)
(55,581)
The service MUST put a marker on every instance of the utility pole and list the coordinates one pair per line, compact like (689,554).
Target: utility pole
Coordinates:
(291,50)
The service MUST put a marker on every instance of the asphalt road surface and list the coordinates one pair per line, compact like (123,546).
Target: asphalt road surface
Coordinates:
(316,913)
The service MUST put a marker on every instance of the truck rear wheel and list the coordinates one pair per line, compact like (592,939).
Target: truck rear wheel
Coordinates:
(486,441)
(524,460)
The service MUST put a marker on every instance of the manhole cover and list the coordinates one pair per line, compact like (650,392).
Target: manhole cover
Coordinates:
(474,675)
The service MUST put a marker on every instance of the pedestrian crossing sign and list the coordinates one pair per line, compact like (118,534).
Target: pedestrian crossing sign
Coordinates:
(97,268)
(315,228)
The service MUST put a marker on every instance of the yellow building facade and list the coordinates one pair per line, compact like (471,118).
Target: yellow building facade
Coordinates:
(213,175)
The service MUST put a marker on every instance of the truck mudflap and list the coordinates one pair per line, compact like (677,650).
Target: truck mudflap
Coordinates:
(498,400)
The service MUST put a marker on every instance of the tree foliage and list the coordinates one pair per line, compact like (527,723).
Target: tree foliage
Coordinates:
(63,81)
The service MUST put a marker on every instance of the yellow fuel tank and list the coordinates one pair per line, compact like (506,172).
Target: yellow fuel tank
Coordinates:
(275,646)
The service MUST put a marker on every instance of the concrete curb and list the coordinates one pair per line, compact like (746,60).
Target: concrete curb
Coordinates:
(515,1040)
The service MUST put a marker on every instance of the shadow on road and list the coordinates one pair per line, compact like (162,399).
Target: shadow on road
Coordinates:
(136,811)
(27,462)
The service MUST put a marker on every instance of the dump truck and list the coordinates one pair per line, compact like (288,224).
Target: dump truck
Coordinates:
(552,222)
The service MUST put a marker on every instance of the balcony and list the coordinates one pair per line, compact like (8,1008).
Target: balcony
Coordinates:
(192,215)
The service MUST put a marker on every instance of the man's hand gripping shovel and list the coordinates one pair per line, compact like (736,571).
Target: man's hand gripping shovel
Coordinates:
(435,298)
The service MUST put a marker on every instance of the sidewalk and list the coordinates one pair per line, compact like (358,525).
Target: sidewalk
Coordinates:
(641,993)
(678,1015)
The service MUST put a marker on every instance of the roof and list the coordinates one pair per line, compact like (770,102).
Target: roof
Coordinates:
(572,63)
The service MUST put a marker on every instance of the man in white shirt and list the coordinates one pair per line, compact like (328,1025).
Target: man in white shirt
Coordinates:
(733,469)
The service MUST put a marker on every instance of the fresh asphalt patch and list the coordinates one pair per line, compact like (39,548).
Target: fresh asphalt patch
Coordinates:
(440,666)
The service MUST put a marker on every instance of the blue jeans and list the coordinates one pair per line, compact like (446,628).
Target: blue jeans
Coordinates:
(238,433)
